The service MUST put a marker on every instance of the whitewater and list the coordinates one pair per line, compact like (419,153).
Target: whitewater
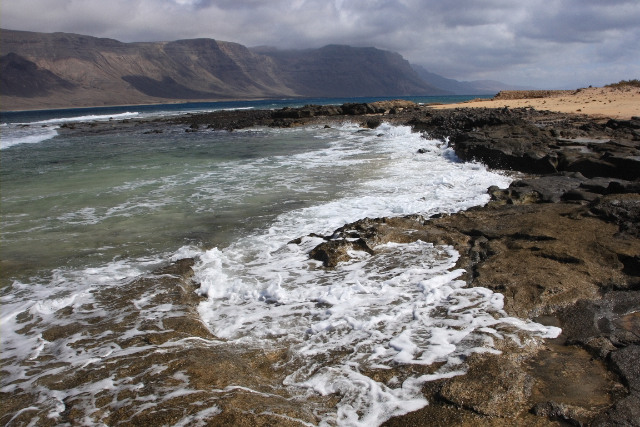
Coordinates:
(92,334)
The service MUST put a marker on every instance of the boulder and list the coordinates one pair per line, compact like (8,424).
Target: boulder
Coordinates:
(333,252)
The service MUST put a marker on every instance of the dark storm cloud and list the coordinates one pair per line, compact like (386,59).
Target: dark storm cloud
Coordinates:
(580,21)
(537,42)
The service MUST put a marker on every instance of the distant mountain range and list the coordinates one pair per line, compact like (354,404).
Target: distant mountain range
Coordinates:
(474,87)
(51,70)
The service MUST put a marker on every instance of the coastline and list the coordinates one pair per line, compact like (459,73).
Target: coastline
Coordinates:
(561,244)
(155,103)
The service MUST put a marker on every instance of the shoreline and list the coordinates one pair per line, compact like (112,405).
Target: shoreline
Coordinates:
(213,101)
(597,102)
(561,244)
(144,104)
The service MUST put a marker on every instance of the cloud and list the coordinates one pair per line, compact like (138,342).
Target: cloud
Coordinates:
(583,22)
(538,42)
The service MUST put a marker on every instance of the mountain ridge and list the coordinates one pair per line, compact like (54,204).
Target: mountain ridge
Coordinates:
(473,87)
(57,70)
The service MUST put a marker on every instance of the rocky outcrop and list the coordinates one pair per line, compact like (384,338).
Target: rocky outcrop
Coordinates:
(370,115)
(539,142)
(562,244)
(567,264)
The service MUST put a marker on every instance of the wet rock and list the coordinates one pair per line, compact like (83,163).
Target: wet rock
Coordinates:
(569,385)
(509,387)
(621,209)
(551,259)
(558,411)
(333,252)
(514,195)
(548,188)
(514,147)
(625,412)
(357,109)
(373,122)
(537,142)
(626,362)
(612,318)
(181,268)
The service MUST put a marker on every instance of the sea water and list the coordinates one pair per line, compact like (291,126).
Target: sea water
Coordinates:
(87,218)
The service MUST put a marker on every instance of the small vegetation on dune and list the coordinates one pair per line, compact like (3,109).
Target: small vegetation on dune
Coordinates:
(625,83)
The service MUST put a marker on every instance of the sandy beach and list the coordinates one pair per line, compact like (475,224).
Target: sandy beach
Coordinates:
(614,102)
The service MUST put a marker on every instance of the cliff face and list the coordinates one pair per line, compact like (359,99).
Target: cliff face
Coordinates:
(338,70)
(69,70)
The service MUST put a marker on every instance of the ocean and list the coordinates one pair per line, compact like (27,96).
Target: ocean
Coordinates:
(91,334)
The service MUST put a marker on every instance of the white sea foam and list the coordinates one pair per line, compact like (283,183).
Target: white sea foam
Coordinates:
(87,118)
(15,135)
(45,297)
(42,130)
(403,305)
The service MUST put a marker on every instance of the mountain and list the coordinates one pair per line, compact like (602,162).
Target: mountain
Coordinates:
(343,71)
(49,70)
(475,87)
(21,77)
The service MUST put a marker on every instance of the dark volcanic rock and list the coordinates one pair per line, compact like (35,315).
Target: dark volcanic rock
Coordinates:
(604,325)
(556,261)
(627,362)
(548,188)
(517,147)
(621,209)
(373,123)
(307,111)
(561,244)
(538,142)
(335,251)
(625,412)
(286,117)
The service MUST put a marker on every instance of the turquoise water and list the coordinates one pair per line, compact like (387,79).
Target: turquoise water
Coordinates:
(69,201)
(74,201)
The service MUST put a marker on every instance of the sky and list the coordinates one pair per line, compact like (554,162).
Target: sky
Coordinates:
(537,43)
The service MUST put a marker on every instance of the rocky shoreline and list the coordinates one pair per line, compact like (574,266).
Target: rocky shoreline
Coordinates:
(562,244)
